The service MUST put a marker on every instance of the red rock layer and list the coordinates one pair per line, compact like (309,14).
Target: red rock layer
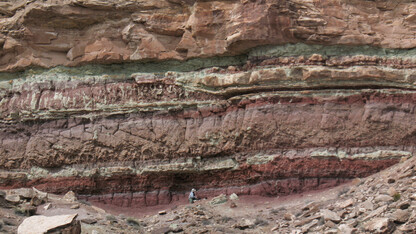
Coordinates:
(281,176)
(279,121)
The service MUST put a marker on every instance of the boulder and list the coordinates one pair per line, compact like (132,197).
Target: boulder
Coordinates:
(219,199)
(70,196)
(40,224)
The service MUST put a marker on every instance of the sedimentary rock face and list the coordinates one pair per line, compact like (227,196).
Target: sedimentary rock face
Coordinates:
(136,102)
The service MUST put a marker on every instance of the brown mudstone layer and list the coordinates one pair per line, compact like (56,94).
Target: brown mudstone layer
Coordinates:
(281,176)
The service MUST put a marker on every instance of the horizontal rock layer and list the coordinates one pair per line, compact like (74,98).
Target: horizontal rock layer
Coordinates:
(136,102)
(161,183)
(73,32)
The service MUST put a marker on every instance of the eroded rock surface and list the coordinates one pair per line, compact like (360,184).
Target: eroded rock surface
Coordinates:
(135,102)
(72,32)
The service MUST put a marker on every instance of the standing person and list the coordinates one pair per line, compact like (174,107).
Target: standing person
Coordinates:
(192,196)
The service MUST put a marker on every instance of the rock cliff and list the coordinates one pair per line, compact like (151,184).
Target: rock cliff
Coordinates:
(136,102)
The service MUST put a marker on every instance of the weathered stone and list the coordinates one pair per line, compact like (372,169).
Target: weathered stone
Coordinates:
(379,225)
(70,196)
(368,205)
(330,215)
(233,196)
(47,206)
(127,41)
(331,231)
(403,205)
(244,224)
(308,226)
(346,203)
(289,217)
(228,81)
(162,212)
(26,209)
(175,228)
(344,228)
(375,212)
(233,205)
(25,193)
(42,224)
(400,216)
(392,191)
(219,199)
(13,198)
(330,224)
(383,198)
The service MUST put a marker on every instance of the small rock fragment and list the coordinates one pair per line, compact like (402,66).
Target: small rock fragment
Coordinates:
(47,206)
(70,196)
(391,191)
(379,225)
(330,215)
(175,227)
(383,198)
(289,217)
(345,203)
(233,196)
(400,216)
(13,198)
(233,205)
(345,229)
(162,212)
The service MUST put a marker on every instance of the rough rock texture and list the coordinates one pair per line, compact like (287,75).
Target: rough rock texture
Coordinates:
(54,224)
(72,32)
(136,102)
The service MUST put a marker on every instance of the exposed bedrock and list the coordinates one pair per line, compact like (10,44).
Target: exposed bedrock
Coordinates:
(264,143)
(73,32)
(136,102)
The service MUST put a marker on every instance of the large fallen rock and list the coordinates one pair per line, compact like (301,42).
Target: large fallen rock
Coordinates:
(54,224)
(219,199)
